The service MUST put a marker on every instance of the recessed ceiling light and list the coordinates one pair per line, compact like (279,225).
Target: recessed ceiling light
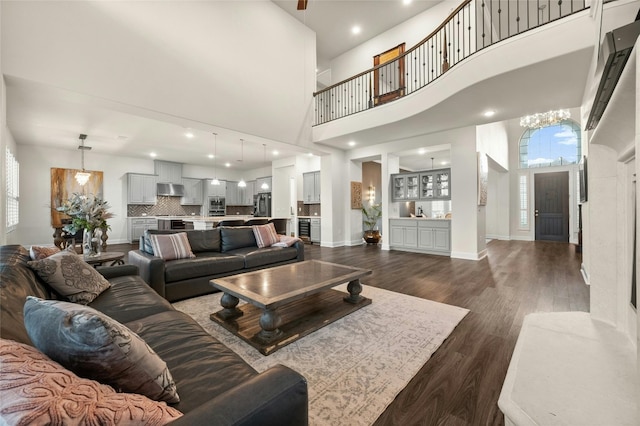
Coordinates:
(406,2)
(210,155)
(189,135)
(310,154)
(275,152)
(444,163)
(351,143)
(153,154)
(356,29)
(227,164)
(422,151)
(489,113)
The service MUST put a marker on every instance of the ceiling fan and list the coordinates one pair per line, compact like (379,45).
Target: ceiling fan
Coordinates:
(302,4)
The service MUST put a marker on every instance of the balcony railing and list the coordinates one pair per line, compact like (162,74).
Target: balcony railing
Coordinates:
(473,26)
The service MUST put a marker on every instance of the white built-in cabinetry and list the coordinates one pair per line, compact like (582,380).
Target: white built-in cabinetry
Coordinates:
(421,235)
(216,190)
(141,189)
(260,181)
(311,187)
(237,196)
(192,192)
(168,171)
(137,226)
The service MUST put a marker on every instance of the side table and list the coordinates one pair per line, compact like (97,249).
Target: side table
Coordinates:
(110,257)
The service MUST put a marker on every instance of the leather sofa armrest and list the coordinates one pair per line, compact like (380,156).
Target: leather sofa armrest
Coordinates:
(151,269)
(299,245)
(117,271)
(276,397)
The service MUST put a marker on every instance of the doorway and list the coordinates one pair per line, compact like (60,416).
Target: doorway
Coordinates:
(552,206)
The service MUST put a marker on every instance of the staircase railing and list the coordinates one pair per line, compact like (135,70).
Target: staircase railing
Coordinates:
(471,27)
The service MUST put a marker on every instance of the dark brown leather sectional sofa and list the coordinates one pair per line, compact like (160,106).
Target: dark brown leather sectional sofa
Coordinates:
(219,252)
(215,385)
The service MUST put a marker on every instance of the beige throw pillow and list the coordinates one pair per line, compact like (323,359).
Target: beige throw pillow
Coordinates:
(266,235)
(171,246)
(70,276)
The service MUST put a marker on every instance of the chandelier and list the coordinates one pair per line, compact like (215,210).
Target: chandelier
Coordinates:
(544,119)
(83,177)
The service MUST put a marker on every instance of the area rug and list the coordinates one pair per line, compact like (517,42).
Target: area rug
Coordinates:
(357,365)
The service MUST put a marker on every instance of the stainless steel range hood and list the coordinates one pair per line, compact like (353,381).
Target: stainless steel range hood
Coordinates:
(170,190)
(614,53)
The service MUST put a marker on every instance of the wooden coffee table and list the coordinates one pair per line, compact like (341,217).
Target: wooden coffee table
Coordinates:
(110,257)
(286,303)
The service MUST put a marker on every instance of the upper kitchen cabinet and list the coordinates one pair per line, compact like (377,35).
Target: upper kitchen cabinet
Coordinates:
(231,193)
(141,189)
(435,185)
(192,192)
(216,190)
(404,187)
(168,172)
(247,193)
(260,181)
(237,196)
(311,187)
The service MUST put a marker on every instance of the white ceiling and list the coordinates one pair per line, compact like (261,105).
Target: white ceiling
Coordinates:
(332,21)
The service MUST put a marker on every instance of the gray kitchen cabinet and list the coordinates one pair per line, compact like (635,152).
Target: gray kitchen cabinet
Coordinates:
(435,185)
(315,230)
(247,193)
(192,192)
(168,171)
(232,194)
(141,189)
(237,196)
(311,187)
(260,181)
(216,190)
(137,226)
(404,187)
(404,234)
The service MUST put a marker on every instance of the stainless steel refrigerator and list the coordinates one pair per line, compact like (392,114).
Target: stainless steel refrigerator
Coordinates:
(262,205)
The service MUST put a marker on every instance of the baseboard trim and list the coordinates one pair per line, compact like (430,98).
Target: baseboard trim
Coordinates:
(468,256)
(585,274)
(520,238)
(497,237)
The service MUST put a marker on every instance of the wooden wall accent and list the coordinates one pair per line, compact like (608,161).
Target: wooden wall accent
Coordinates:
(63,184)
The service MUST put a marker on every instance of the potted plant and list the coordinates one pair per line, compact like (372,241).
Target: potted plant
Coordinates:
(89,214)
(371,215)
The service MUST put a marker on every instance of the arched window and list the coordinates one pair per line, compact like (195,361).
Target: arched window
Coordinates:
(550,146)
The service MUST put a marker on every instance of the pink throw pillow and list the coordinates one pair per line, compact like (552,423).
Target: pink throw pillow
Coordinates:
(266,235)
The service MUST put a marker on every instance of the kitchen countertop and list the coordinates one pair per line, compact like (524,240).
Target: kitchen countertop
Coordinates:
(310,217)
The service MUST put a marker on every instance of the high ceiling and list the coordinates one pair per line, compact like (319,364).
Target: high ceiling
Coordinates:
(332,20)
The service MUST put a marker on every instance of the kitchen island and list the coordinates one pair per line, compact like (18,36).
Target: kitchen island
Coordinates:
(421,235)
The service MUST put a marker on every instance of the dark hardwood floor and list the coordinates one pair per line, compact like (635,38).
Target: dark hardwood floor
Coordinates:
(461,383)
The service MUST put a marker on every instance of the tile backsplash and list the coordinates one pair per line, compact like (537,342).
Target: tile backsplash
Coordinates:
(164,206)
(308,209)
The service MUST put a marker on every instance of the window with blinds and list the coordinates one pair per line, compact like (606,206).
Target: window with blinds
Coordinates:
(13,193)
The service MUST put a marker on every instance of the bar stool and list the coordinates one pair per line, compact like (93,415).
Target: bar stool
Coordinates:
(231,222)
(257,221)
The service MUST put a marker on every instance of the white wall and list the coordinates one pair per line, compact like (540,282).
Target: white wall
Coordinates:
(185,60)
(493,140)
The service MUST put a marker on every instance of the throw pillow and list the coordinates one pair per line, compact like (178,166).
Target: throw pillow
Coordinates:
(171,246)
(41,252)
(266,235)
(70,276)
(97,347)
(35,390)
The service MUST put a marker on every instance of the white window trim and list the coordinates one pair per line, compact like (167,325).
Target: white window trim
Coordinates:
(13,191)
(524,201)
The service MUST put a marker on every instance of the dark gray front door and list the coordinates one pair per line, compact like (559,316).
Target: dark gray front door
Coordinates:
(552,206)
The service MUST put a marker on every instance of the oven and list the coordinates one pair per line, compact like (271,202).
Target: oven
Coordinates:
(217,206)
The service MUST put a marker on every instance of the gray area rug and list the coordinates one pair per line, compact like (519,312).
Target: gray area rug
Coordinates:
(357,365)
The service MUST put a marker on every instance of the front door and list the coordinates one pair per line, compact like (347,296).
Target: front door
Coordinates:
(552,206)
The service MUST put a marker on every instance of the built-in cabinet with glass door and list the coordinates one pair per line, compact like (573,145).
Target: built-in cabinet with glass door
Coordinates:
(421,186)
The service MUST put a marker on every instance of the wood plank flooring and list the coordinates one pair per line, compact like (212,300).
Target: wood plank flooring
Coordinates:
(461,382)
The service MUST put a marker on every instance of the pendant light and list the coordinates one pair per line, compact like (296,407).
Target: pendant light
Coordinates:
(265,185)
(242,183)
(82,177)
(215,180)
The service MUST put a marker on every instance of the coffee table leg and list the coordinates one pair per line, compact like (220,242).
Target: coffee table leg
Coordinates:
(355,288)
(230,310)
(269,322)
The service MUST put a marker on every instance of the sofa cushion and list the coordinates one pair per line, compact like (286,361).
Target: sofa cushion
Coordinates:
(173,246)
(266,235)
(255,257)
(17,281)
(237,237)
(204,240)
(203,367)
(36,390)
(95,346)
(146,238)
(204,265)
(41,252)
(70,276)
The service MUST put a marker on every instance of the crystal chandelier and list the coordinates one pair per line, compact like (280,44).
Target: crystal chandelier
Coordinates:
(82,177)
(544,119)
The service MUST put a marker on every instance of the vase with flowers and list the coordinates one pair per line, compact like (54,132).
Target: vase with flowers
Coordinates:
(88,213)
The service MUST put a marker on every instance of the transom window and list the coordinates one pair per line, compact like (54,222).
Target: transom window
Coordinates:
(551,146)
